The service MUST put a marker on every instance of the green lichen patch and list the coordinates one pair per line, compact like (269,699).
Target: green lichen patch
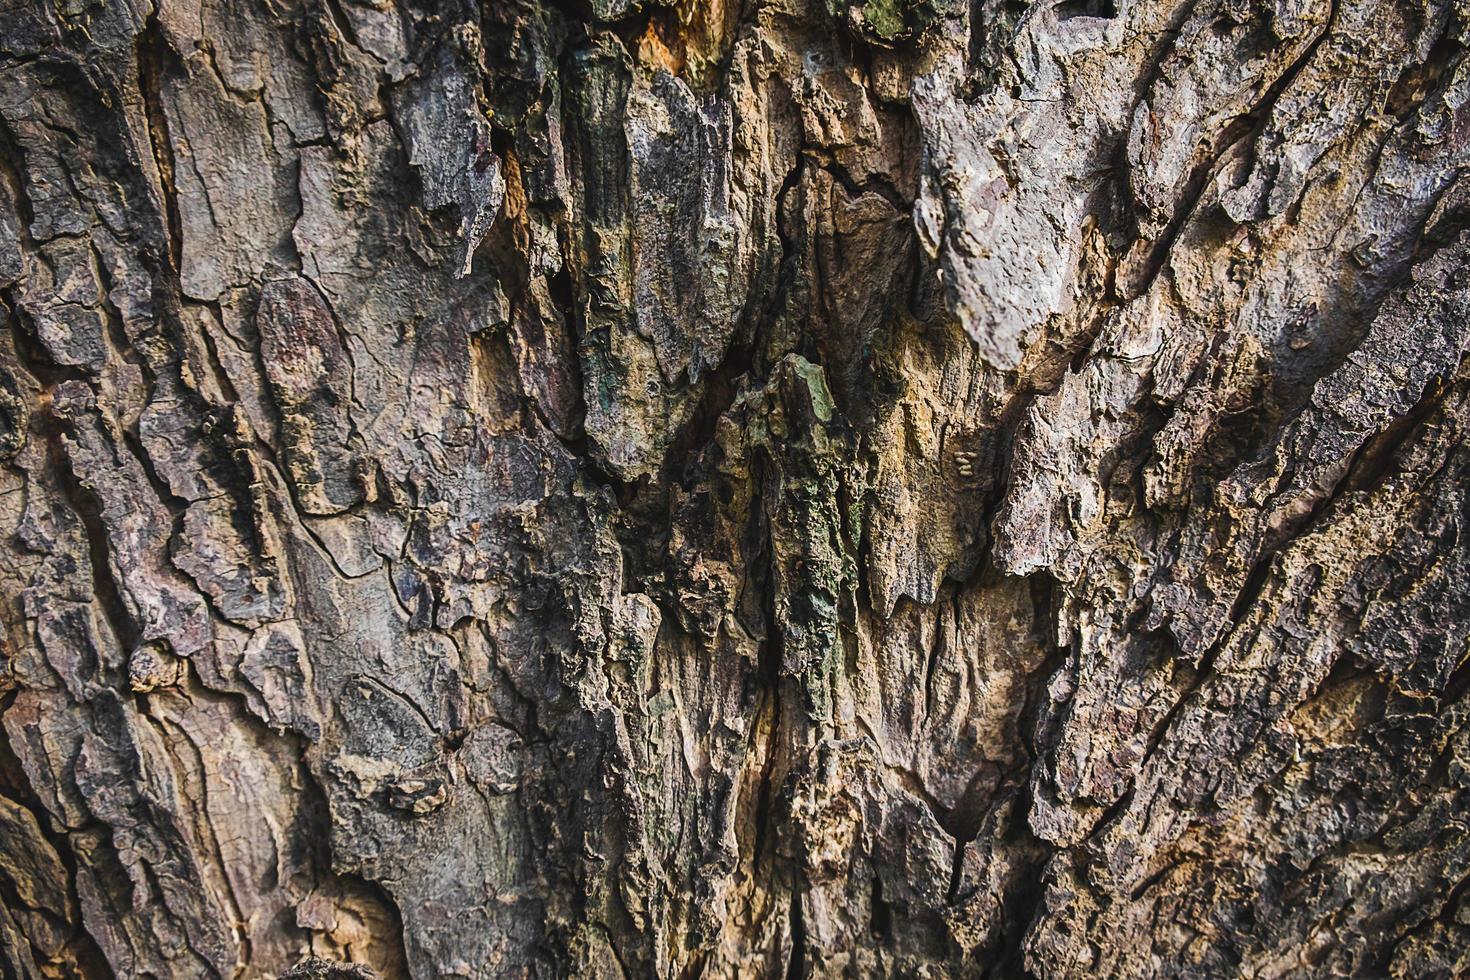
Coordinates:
(890,22)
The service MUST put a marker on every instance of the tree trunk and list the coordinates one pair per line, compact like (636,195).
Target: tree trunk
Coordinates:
(734,488)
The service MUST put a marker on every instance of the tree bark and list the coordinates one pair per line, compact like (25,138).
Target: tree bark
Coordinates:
(704,488)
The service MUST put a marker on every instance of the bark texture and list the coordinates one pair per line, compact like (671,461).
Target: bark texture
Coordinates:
(704,488)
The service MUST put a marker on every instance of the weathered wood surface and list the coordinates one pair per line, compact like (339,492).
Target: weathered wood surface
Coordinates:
(734,488)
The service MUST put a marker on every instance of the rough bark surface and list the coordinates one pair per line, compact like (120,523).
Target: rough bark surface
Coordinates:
(704,488)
